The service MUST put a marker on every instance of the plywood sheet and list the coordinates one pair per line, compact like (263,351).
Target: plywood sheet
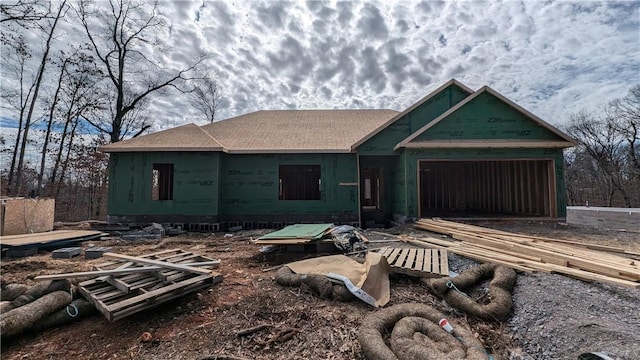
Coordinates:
(46,237)
(25,216)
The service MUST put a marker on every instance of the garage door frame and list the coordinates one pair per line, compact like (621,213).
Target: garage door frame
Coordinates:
(551,180)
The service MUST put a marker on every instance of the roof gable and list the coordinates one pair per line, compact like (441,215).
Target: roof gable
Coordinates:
(490,118)
(403,124)
(189,137)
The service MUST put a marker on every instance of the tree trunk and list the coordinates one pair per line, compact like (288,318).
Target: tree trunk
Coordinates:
(65,164)
(54,103)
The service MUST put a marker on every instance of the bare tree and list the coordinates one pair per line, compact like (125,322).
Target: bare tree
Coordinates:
(24,12)
(206,96)
(15,61)
(79,97)
(625,116)
(34,98)
(120,32)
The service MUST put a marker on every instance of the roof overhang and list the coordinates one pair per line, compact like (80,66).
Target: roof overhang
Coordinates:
(114,149)
(485,144)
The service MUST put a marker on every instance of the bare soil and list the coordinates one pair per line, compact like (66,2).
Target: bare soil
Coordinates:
(554,317)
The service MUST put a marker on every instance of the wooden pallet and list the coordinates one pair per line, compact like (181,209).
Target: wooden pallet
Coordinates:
(417,262)
(119,295)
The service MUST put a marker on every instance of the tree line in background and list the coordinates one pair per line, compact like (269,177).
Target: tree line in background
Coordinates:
(71,93)
(604,169)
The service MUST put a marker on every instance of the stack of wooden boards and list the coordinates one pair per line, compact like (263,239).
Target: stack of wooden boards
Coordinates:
(587,262)
(129,284)
(296,234)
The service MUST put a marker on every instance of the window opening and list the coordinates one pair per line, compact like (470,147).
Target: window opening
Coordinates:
(162,182)
(299,182)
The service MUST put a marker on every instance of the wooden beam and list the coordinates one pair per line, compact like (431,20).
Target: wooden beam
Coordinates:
(214,264)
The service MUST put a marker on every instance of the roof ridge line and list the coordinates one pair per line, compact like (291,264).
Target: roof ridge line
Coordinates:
(224,148)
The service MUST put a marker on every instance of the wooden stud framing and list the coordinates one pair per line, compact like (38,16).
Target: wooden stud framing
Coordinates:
(512,186)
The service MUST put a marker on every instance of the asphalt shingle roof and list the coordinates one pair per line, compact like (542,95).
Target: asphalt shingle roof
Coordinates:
(266,131)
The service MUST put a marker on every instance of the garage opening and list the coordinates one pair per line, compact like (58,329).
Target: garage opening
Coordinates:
(487,188)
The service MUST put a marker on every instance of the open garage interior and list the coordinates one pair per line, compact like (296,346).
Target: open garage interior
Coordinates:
(487,188)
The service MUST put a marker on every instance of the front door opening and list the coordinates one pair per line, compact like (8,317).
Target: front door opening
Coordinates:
(371,188)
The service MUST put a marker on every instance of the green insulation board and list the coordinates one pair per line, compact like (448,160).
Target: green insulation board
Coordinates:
(299,231)
(195,179)
(383,142)
(250,185)
(486,117)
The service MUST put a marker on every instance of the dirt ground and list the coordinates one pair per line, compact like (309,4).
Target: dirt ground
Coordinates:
(554,317)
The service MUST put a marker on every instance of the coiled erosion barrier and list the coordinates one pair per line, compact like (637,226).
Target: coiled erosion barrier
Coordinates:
(502,280)
(416,336)
(320,285)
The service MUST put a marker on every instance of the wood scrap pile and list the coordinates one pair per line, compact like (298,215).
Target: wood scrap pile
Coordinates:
(533,253)
(129,284)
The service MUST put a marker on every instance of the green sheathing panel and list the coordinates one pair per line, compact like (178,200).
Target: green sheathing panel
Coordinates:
(413,155)
(195,190)
(399,189)
(299,231)
(383,142)
(250,185)
(487,117)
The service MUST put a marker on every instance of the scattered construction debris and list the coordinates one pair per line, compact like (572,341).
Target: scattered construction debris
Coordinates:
(129,284)
(296,234)
(417,262)
(96,252)
(531,253)
(368,282)
(66,253)
(153,231)
(345,238)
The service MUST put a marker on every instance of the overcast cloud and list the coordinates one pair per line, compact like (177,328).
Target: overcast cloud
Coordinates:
(553,58)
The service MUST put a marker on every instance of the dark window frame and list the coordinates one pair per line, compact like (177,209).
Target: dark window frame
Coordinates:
(299,182)
(162,182)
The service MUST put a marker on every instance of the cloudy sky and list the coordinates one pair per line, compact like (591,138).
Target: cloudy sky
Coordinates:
(552,57)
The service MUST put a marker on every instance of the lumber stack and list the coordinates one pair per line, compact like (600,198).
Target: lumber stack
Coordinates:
(534,253)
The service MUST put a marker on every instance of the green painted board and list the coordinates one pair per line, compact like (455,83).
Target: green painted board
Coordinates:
(299,231)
